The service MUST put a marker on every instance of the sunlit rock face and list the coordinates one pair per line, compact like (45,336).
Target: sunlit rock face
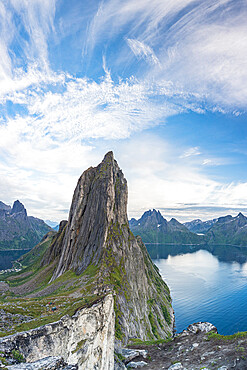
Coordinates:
(86,339)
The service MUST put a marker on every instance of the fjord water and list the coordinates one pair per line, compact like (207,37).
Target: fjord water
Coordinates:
(7,257)
(205,287)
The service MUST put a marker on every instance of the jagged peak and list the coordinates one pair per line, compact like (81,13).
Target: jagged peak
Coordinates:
(18,207)
(241,215)
(99,200)
(108,156)
(173,220)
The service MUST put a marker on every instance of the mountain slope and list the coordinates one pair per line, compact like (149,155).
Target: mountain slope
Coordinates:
(17,230)
(229,230)
(154,228)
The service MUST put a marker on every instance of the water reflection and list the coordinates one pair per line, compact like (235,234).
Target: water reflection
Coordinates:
(223,253)
(205,285)
(8,257)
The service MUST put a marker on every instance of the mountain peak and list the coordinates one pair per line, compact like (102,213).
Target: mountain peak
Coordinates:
(18,207)
(99,200)
(97,235)
(108,156)
(240,215)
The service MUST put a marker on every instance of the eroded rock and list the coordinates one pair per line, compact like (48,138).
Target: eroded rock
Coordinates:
(86,339)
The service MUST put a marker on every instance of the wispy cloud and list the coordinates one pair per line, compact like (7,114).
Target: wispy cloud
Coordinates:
(200,45)
(191,152)
(142,50)
(194,55)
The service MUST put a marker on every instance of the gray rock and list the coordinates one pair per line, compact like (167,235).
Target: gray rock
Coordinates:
(48,363)
(79,338)
(177,366)
(130,354)
(195,328)
(135,365)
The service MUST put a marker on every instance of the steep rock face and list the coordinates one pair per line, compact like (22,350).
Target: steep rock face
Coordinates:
(98,234)
(100,198)
(17,230)
(85,339)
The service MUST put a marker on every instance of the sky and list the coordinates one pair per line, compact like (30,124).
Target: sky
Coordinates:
(162,83)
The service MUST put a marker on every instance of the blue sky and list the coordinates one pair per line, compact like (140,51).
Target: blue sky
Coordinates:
(161,83)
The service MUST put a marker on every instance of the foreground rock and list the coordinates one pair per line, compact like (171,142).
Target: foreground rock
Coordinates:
(198,347)
(47,363)
(85,339)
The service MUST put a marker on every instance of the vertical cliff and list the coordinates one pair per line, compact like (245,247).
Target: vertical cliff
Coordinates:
(97,234)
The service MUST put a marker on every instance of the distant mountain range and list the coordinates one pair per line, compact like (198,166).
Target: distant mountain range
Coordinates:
(54,225)
(198,226)
(154,228)
(17,230)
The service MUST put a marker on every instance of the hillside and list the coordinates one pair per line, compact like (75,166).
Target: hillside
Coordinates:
(154,228)
(17,230)
(229,230)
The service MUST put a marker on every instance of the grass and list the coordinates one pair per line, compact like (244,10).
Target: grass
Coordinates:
(136,341)
(79,345)
(241,334)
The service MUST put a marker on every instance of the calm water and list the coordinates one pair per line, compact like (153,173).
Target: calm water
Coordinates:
(206,287)
(7,257)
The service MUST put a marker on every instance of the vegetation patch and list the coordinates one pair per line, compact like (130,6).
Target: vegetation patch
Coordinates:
(79,345)
(136,341)
(241,334)
(17,356)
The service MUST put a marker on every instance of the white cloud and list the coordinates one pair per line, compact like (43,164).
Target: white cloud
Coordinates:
(200,46)
(142,50)
(200,57)
(191,152)
(159,178)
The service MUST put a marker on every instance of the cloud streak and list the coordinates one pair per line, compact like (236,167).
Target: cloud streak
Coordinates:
(166,59)
(200,46)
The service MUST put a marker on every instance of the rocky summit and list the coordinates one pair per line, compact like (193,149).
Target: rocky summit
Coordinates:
(91,285)
(97,234)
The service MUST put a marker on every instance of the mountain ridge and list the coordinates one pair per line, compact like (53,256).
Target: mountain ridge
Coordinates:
(17,229)
(154,228)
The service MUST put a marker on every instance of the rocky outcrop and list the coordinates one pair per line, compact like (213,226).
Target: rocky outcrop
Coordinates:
(17,230)
(97,234)
(86,339)
(196,348)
